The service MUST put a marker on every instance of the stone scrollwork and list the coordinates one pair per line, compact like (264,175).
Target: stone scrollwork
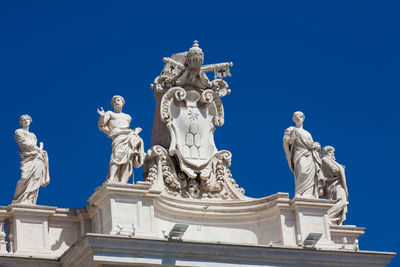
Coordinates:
(160,164)
(176,94)
(220,87)
(188,110)
(220,184)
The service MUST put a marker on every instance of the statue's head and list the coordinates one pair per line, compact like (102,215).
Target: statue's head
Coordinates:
(25,120)
(328,150)
(117,101)
(298,117)
(195,56)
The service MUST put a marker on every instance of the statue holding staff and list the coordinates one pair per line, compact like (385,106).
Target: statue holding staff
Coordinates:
(127,146)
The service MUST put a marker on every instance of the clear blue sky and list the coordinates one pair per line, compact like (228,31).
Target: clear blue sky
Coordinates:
(338,62)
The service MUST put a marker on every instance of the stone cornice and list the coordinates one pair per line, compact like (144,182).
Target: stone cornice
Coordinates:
(108,249)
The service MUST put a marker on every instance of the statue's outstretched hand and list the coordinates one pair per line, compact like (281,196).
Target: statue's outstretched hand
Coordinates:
(101,111)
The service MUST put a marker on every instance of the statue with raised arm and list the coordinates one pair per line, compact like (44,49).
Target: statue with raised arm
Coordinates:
(335,185)
(127,146)
(303,156)
(34,164)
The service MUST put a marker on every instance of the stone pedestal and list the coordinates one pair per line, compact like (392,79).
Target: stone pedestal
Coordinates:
(29,231)
(312,217)
(346,236)
(121,209)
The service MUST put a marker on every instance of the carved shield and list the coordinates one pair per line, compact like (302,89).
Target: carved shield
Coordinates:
(191,117)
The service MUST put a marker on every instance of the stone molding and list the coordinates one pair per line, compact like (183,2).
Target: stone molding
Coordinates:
(93,249)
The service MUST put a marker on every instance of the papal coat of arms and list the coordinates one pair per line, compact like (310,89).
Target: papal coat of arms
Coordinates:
(183,154)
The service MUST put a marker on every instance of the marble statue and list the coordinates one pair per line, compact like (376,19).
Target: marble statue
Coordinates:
(335,185)
(34,164)
(188,109)
(303,156)
(127,146)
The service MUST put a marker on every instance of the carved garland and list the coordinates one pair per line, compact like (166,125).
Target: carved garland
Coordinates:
(163,164)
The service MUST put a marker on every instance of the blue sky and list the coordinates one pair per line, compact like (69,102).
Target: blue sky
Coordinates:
(338,62)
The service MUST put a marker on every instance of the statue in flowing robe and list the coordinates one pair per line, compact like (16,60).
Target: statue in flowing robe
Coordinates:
(303,156)
(335,185)
(127,146)
(34,164)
